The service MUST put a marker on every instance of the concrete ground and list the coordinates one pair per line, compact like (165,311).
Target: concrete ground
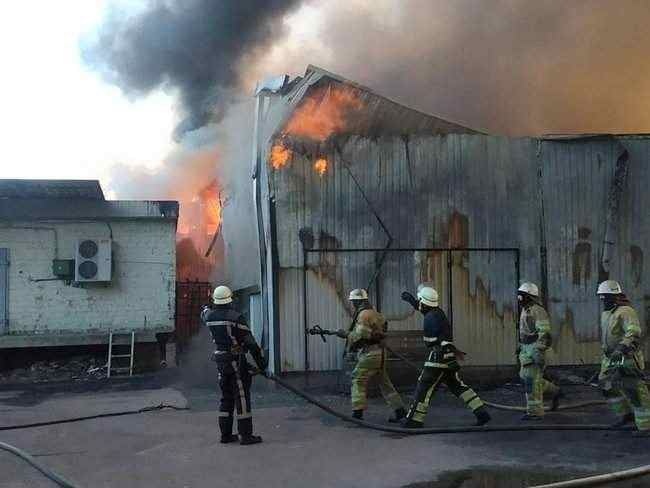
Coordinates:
(303,446)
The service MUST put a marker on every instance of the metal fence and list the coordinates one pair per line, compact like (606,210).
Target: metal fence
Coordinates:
(190,297)
(477,288)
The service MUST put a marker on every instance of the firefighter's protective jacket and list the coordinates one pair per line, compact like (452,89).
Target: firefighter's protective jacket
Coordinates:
(534,335)
(621,330)
(369,329)
(231,334)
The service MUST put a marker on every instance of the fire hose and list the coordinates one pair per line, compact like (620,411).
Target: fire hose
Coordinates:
(599,480)
(57,478)
(591,481)
(319,331)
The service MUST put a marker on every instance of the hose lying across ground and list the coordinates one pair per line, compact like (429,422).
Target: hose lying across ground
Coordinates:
(571,406)
(435,430)
(57,478)
(600,480)
(579,483)
(498,406)
(591,481)
(152,408)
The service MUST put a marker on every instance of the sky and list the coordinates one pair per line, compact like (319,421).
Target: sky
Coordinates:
(518,67)
(59,119)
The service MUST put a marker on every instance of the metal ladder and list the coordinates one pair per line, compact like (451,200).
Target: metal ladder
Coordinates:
(110,368)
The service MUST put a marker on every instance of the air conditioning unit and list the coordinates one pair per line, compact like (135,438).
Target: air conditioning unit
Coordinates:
(92,260)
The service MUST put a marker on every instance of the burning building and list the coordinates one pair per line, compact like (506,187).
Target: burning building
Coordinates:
(199,249)
(354,190)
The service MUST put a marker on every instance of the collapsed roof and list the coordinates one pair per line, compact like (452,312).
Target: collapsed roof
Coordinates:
(379,116)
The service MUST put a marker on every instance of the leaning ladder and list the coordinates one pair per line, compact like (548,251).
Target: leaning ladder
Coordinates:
(110,368)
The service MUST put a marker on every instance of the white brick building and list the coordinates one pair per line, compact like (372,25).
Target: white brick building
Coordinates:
(43,303)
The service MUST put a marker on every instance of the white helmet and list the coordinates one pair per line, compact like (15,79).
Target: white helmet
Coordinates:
(428,296)
(222,295)
(529,288)
(358,294)
(609,287)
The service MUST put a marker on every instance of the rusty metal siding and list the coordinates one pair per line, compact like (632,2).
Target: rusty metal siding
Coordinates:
(634,231)
(4,290)
(576,177)
(461,191)
(442,191)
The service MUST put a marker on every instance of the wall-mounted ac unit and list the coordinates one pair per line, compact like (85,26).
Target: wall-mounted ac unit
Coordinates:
(92,260)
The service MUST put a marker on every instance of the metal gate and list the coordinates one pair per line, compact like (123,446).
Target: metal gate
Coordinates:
(477,289)
(190,297)
(4,290)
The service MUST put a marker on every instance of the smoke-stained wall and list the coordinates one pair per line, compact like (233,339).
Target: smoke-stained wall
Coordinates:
(543,197)
(499,66)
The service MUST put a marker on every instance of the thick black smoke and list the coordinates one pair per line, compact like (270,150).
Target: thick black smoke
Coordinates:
(504,66)
(194,46)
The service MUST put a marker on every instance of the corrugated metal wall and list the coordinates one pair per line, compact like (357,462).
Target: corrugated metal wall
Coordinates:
(4,291)
(455,191)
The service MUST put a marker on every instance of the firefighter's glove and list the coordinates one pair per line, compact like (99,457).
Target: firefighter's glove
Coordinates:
(618,355)
(263,363)
(409,298)
(342,333)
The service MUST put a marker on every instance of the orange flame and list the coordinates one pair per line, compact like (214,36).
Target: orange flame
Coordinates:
(280,156)
(321,166)
(209,197)
(324,113)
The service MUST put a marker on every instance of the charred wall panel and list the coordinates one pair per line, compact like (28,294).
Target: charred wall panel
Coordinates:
(576,178)
(442,191)
(634,231)
(459,191)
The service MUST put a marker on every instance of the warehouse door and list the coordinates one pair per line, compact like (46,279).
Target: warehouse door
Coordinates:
(4,290)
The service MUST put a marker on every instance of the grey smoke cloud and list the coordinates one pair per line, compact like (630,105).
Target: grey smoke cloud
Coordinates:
(192,46)
(506,66)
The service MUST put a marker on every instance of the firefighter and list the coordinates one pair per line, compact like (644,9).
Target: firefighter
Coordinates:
(366,338)
(534,342)
(621,373)
(233,339)
(441,365)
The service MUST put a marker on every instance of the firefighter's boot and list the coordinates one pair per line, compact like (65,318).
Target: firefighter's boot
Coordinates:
(246,437)
(225,425)
(623,421)
(555,402)
(531,417)
(482,416)
(412,424)
(247,440)
(400,413)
